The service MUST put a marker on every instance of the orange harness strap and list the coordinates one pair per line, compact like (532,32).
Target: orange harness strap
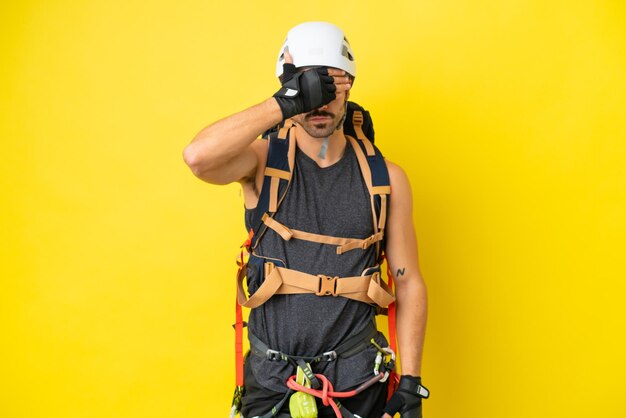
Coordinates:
(239,324)
(394,378)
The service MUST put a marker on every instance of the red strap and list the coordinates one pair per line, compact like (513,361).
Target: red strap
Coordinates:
(327,393)
(391,313)
(239,335)
(239,317)
(394,378)
(248,241)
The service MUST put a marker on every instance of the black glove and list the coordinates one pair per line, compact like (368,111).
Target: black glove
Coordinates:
(305,90)
(407,399)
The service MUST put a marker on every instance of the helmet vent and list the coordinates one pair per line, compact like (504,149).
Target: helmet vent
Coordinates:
(282,54)
(347,53)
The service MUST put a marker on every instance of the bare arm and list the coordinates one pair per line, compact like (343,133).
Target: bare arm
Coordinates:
(225,151)
(401,252)
(222,153)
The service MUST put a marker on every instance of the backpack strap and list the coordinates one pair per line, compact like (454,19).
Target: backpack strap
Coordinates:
(281,156)
(375,174)
(280,165)
(370,289)
(278,172)
(343,244)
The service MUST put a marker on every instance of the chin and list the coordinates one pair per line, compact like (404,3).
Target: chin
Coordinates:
(321,134)
(321,130)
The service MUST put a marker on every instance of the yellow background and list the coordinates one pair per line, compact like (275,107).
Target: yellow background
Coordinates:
(117,264)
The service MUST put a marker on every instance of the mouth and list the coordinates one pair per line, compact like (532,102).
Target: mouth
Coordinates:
(319,117)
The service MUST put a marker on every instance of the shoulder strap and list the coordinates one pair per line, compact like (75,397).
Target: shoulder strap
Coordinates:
(375,174)
(280,165)
(278,169)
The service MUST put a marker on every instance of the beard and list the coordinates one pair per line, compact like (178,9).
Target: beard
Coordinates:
(321,129)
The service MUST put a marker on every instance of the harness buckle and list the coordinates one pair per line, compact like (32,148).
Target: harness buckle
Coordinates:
(327,285)
(329,356)
(273,355)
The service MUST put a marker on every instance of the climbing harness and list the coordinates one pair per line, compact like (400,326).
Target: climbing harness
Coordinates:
(319,386)
(327,393)
(276,278)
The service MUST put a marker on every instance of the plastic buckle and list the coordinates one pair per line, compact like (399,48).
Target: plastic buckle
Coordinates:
(273,355)
(329,356)
(327,285)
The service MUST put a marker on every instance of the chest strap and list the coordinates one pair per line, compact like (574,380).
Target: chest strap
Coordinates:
(343,244)
(370,289)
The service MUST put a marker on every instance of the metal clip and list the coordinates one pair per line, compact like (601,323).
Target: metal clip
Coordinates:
(381,360)
(273,355)
(329,356)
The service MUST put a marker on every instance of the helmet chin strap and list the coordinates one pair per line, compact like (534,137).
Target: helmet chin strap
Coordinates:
(324,146)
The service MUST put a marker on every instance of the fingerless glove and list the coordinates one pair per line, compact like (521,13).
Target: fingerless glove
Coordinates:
(407,399)
(304,91)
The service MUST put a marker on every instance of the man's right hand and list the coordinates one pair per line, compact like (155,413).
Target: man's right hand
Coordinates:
(304,91)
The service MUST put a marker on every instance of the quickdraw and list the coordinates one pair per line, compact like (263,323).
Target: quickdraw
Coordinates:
(327,393)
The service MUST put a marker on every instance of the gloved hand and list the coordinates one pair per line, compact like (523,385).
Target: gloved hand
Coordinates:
(407,399)
(305,90)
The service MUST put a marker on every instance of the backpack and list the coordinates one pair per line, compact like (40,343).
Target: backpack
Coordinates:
(276,279)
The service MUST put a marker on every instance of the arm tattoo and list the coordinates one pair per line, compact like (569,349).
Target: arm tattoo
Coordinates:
(400,272)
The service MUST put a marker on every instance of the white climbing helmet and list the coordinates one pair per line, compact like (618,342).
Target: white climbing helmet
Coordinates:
(317,43)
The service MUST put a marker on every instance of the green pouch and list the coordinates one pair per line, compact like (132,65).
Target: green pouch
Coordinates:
(301,404)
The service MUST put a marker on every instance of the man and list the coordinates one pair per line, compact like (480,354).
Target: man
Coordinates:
(326,198)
